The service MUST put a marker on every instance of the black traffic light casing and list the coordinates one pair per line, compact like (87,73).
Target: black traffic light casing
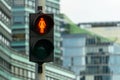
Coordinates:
(41,37)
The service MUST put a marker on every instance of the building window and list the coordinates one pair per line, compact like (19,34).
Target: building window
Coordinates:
(98,77)
(100,50)
(18,37)
(25,73)
(72,61)
(18,2)
(5,64)
(21,72)
(16,70)
(12,69)
(88,59)
(18,20)
(31,4)
(4,19)
(0,15)
(29,74)
(0,37)
(33,75)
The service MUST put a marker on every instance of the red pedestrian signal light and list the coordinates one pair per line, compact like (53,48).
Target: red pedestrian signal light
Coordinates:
(42,25)
(41,34)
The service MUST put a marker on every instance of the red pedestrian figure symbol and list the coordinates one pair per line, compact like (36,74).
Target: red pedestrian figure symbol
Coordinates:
(42,25)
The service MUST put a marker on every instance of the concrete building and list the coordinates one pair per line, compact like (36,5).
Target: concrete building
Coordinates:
(13,65)
(74,52)
(102,61)
(20,24)
(97,59)
(109,30)
(91,57)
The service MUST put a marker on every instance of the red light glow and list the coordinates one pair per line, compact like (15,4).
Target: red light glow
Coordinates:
(42,25)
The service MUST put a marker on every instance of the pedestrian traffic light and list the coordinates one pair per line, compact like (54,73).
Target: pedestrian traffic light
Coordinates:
(41,34)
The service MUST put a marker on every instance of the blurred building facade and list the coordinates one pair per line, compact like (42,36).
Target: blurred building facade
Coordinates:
(103,38)
(73,52)
(14,36)
(13,65)
(97,60)
(20,24)
(92,57)
(111,31)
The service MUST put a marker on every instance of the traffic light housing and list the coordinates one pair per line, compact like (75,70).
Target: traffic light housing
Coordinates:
(41,34)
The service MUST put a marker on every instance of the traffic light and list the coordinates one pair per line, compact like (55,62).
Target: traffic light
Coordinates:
(41,34)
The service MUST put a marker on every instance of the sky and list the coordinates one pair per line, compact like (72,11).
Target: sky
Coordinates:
(91,10)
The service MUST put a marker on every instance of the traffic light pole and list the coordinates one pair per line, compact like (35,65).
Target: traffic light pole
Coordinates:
(40,71)
(42,75)
(40,3)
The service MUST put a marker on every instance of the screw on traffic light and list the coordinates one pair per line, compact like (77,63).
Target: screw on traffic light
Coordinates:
(41,34)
